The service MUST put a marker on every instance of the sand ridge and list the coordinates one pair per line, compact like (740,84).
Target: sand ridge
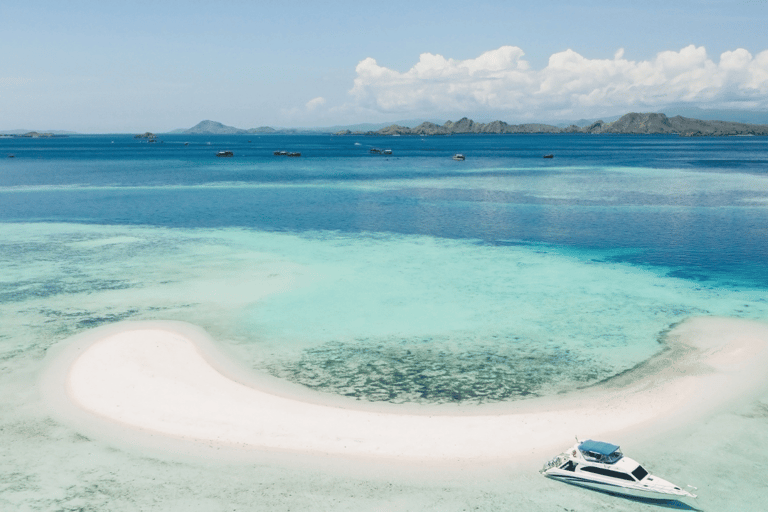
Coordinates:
(152,377)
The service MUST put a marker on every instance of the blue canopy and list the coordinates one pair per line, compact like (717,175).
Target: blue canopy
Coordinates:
(598,447)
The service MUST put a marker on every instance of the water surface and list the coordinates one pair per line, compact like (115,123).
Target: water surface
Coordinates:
(409,278)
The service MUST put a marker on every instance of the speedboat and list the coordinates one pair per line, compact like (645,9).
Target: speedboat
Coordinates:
(602,466)
(458,156)
(224,153)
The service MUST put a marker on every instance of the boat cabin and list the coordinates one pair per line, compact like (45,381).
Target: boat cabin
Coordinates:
(597,451)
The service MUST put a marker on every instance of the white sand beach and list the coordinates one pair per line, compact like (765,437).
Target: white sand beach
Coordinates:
(154,378)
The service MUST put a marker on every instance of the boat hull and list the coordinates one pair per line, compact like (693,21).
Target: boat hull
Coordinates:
(631,491)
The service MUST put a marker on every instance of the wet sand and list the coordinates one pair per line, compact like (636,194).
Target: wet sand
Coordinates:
(162,381)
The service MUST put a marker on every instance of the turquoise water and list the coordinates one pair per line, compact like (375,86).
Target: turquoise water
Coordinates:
(404,279)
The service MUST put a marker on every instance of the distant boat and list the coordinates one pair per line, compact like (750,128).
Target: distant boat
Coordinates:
(387,152)
(280,153)
(458,156)
(225,153)
(376,151)
(294,154)
(11,156)
(549,156)
(186,143)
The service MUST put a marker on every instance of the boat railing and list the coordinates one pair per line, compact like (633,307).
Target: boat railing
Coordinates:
(555,462)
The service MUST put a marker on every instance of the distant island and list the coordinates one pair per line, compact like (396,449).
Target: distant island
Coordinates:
(36,135)
(216,128)
(631,124)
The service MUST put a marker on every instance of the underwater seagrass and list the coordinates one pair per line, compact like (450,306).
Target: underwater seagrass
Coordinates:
(428,371)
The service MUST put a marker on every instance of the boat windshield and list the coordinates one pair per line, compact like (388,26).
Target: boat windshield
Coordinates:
(640,472)
(597,451)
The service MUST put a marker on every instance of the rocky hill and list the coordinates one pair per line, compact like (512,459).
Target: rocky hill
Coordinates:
(216,128)
(262,129)
(632,123)
(463,125)
(213,128)
(659,123)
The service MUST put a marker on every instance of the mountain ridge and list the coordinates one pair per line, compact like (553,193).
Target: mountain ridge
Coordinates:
(632,123)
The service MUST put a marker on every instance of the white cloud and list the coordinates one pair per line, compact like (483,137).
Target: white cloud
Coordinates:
(315,103)
(502,81)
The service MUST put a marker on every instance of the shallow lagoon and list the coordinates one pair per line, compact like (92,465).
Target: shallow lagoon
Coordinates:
(414,279)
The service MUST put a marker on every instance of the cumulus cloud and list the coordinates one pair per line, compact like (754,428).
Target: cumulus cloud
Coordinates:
(315,103)
(502,80)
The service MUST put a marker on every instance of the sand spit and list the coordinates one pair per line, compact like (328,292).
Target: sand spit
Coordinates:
(152,379)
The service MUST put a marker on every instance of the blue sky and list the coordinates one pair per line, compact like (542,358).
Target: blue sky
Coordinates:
(98,67)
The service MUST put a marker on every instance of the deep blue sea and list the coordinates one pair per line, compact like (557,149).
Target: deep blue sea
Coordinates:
(697,205)
(408,278)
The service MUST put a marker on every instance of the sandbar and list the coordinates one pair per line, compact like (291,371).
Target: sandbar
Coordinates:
(154,378)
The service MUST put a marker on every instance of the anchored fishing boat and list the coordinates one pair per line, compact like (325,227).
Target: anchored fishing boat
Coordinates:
(602,466)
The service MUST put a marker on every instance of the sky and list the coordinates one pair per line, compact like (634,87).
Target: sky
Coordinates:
(125,67)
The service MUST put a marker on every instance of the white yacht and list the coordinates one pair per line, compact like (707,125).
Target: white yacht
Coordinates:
(602,466)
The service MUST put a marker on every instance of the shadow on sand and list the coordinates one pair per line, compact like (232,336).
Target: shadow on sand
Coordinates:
(663,503)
